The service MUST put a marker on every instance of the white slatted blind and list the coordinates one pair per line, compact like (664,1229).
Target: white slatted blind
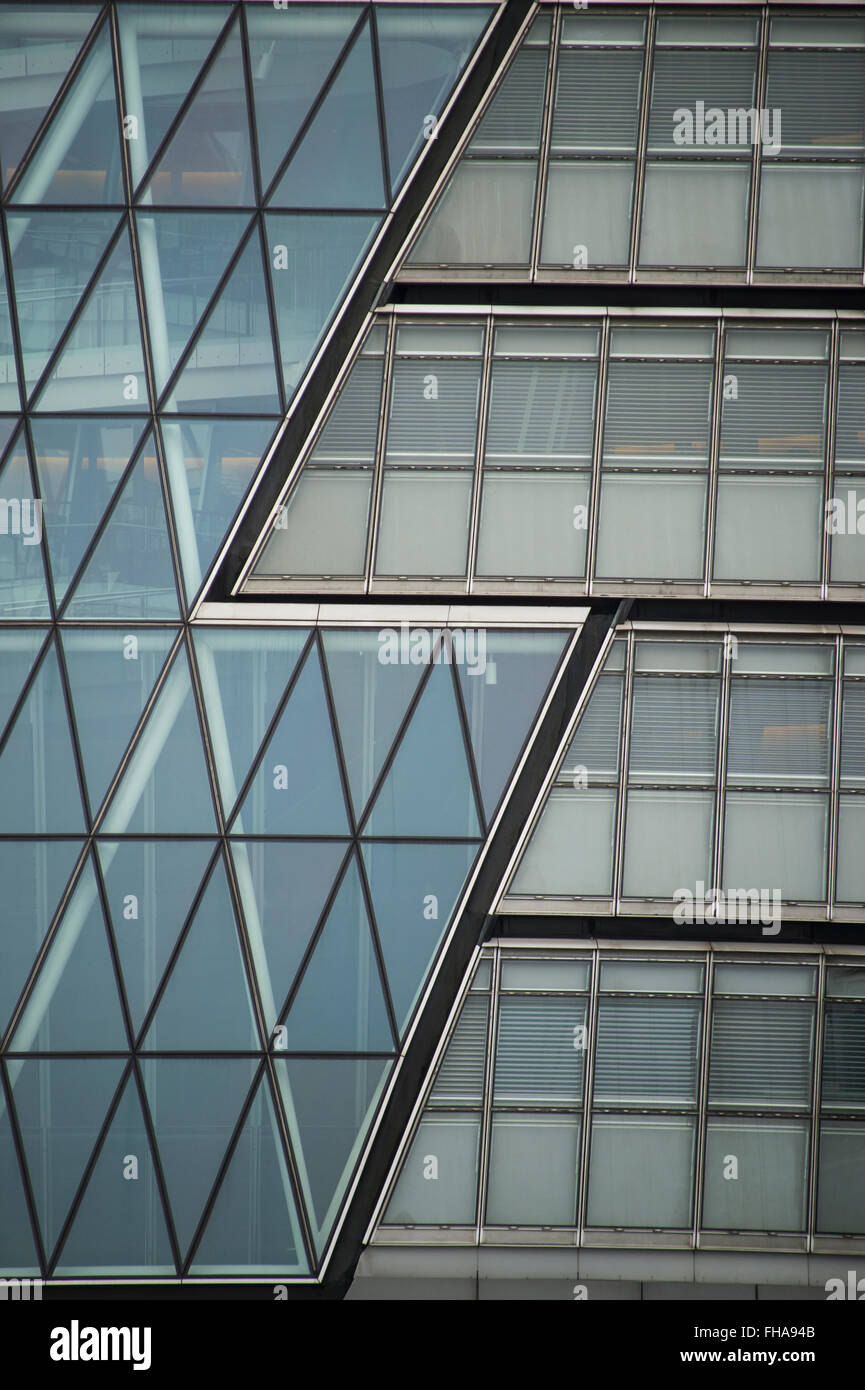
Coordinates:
(535,1055)
(779,731)
(597,100)
(761,1052)
(647,1051)
(461,1074)
(658,413)
(777,415)
(541,411)
(674,734)
(844,1055)
(680,79)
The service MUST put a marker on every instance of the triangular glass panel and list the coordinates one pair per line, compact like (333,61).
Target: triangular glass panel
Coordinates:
(54,255)
(208,160)
(78,158)
(313,262)
(206,1002)
(130,574)
(209,465)
(61,1105)
(253,1227)
(73,1005)
(37,54)
(150,886)
(33,874)
(165,788)
(414,890)
(244,673)
(7,425)
(23,590)
(111,675)
(340,1006)
(428,788)
(17,1247)
(9,398)
(283,885)
(18,651)
(423,50)
(371,697)
(231,365)
(338,161)
(38,775)
(297,788)
(119,1228)
(101,364)
(195,1104)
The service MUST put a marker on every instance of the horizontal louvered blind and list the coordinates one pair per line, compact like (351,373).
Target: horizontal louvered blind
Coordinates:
(595,745)
(597,100)
(461,1074)
(718,79)
(820,96)
(351,430)
(513,121)
(853,734)
(774,412)
(674,735)
(850,436)
(658,413)
(780,731)
(535,1055)
(541,410)
(761,1052)
(647,1051)
(434,411)
(844,1055)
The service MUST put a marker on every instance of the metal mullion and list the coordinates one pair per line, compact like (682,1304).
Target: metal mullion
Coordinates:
(480,449)
(276,346)
(601,387)
(384,982)
(25,433)
(835,776)
(703,1100)
(832,395)
(312,943)
(757,152)
(488,1094)
(543,162)
(156,1159)
(381,446)
(624,752)
(394,748)
(306,1233)
(462,715)
(335,732)
(69,710)
(12,303)
(204,731)
(714,454)
(816,1097)
(380,108)
(641,160)
(251,118)
(7,1100)
(38,660)
(120,106)
(723,741)
(592,1014)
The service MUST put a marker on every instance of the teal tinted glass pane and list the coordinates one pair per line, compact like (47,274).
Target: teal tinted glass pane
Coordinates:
(291,52)
(18,651)
(73,1005)
(33,876)
(119,1228)
(231,365)
(297,789)
(414,890)
(54,255)
(101,366)
(422,49)
(163,49)
(206,1001)
(38,778)
(61,1105)
(209,465)
(8,370)
(243,676)
(195,1104)
(428,789)
(23,591)
(208,160)
(371,696)
(165,788)
(313,261)
(150,886)
(339,1006)
(183,258)
(17,1246)
(130,574)
(79,464)
(338,161)
(111,675)
(253,1228)
(7,425)
(38,46)
(78,158)
(283,889)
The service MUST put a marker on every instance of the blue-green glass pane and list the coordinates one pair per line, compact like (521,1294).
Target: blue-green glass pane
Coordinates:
(9,399)
(291,54)
(17,1247)
(38,778)
(61,1105)
(414,891)
(338,161)
(283,886)
(33,875)
(503,685)
(231,366)
(23,591)
(297,788)
(150,886)
(208,160)
(209,465)
(35,55)
(184,255)
(73,1005)
(18,651)
(195,1104)
(130,574)
(313,261)
(423,49)
(111,675)
(78,158)
(101,366)
(428,789)
(54,254)
(206,1003)
(165,788)
(7,425)
(119,1228)
(253,1227)
(339,1006)
(371,696)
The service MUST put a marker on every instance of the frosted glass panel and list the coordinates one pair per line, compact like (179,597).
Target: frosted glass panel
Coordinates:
(851,861)
(534,525)
(769,528)
(810,217)
(695,214)
(484,218)
(769,1192)
(651,528)
(588,214)
(641,1172)
(448,1147)
(571,850)
(533,1170)
(424,524)
(667,842)
(776,841)
(323,528)
(841,1191)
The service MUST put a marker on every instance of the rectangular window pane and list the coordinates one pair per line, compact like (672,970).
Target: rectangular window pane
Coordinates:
(651,527)
(853,735)
(641,1172)
(533,525)
(558,973)
(658,413)
(850,433)
(446,1146)
(850,886)
(789,658)
(668,842)
(677,656)
(597,102)
(461,1074)
(434,412)
(541,412)
(848,981)
(323,527)
(692,93)
(810,216)
(780,732)
(765,979)
(513,119)
(484,217)
(595,746)
(540,1051)
(759,343)
(695,214)
(652,977)
(571,850)
(777,842)
(760,1052)
(769,528)
(841,1191)
(424,523)
(844,1057)
(770,1190)
(548,340)
(647,1051)
(533,1170)
(774,414)
(587,221)
(819,96)
(674,729)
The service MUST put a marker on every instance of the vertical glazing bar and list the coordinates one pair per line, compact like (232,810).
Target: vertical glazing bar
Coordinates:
(703,1100)
(757,152)
(835,777)
(598,449)
(714,454)
(487,1104)
(480,448)
(727,658)
(546,138)
(381,445)
(642,143)
(814,1155)
(627,713)
(829,470)
(588,1082)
